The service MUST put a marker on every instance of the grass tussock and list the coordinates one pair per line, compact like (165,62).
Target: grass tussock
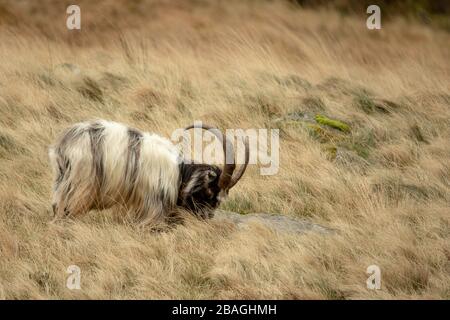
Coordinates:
(384,184)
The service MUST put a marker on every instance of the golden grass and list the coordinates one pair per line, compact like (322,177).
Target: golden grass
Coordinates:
(235,65)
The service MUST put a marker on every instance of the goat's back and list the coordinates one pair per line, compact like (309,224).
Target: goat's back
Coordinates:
(115,163)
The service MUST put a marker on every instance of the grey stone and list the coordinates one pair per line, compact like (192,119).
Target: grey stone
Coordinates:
(277,222)
(69,67)
(296,116)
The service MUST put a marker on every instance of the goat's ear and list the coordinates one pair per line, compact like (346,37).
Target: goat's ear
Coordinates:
(185,193)
(212,175)
(192,184)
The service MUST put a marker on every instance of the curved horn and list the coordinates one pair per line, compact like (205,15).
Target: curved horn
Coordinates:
(238,174)
(228,167)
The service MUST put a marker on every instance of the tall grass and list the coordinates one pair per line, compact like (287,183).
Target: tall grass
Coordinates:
(384,184)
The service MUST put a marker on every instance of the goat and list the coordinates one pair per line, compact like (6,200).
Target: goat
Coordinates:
(98,164)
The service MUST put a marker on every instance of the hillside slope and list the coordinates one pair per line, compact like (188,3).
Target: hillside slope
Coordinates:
(383,181)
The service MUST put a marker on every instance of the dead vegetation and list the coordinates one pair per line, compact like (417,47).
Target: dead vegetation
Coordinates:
(384,183)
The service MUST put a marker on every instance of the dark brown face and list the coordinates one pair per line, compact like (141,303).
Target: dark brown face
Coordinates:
(199,189)
(202,186)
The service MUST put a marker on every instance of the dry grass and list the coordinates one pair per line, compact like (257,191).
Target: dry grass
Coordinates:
(385,185)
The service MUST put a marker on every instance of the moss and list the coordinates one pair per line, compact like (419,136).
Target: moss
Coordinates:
(323,134)
(336,124)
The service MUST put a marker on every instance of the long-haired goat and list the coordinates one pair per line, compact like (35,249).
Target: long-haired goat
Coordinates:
(98,164)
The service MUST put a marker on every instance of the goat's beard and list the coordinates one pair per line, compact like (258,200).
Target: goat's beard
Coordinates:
(203,211)
(181,213)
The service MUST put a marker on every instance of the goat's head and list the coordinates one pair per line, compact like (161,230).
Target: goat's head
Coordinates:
(204,186)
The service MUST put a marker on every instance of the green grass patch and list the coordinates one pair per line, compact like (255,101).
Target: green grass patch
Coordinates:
(362,143)
(336,124)
(239,204)
(365,103)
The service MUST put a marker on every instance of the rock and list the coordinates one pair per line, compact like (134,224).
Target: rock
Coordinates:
(295,118)
(276,222)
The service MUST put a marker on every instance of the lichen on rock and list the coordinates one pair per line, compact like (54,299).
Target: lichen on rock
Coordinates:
(336,124)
